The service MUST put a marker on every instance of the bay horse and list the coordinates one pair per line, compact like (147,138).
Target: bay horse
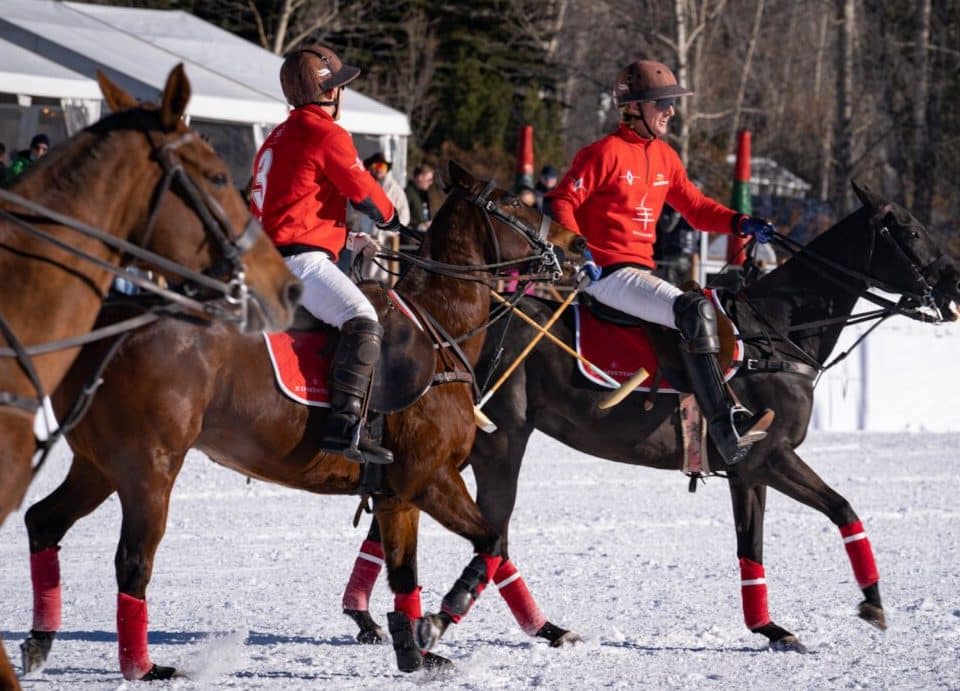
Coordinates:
(99,199)
(791,320)
(223,400)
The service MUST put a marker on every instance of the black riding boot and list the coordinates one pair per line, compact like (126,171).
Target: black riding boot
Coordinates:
(353,363)
(733,428)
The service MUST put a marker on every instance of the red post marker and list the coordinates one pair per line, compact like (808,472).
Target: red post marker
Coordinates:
(741,196)
(525,158)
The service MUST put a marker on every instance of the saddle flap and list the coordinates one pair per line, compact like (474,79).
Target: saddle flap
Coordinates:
(620,344)
(301,357)
(407,360)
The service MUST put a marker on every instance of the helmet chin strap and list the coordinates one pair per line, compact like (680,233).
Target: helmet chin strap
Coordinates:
(632,118)
(335,103)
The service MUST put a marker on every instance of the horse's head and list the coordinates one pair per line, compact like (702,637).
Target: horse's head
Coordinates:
(185,207)
(906,258)
(512,230)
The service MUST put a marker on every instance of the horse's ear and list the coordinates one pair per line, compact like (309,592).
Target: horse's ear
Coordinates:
(117,99)
(460,176)
(176,94)
(867,196)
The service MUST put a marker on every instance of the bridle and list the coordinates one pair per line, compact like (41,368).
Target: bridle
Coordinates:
(912,302)
(199,291)
(917,303)
(544,257)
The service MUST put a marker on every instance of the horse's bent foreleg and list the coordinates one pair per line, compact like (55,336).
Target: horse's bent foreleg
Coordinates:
(496,459)
(446,499)
(356,597)
(144,500)
(797,480)
(83,490)
(749,503)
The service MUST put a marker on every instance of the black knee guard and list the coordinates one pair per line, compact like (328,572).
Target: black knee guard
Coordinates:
(697,321)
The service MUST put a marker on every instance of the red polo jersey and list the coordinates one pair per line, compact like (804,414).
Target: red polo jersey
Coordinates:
(615,190)
(303,175)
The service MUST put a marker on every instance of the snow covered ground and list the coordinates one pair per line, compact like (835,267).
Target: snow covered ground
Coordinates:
(247,583)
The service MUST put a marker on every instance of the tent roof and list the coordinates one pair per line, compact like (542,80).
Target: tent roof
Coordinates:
(232,79)
(23,72)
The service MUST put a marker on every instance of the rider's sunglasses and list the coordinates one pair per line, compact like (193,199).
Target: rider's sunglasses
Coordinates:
(665,103)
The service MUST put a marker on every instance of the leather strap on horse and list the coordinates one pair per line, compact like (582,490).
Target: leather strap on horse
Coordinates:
(442,341)
(773,365)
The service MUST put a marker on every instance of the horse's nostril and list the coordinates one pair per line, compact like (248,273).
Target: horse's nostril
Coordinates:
(292,294)
(579,244)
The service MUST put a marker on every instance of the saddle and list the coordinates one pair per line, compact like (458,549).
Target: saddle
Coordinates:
(620,344)
(404,373)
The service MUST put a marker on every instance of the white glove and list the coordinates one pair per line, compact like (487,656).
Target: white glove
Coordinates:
(361,243)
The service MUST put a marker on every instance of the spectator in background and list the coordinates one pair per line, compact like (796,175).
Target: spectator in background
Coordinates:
(379,168)
(418,197)
(545,184)
(39,146)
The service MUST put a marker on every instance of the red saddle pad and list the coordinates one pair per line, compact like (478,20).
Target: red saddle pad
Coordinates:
(301,364)
(301,359)
(622,350)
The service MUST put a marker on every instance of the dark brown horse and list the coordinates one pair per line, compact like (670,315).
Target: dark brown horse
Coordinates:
(791,320)
(142,176)
(222,399)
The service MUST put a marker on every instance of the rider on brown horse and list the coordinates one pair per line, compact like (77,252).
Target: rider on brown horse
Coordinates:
(613,194)
(303,174)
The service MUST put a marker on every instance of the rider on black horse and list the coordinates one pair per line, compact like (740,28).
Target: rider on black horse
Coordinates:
(613,194)
(303,174)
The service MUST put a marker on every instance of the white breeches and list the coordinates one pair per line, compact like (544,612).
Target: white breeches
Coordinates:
(328,293)
(638,293)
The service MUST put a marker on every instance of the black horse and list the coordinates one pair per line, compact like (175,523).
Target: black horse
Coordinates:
(790,320)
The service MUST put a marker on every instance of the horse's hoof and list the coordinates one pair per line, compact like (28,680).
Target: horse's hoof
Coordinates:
(556,636)
(158,673)
(428,631)
(409,658)
(788,644)
(34,650)
(872,614)
(433,662)
(370,631)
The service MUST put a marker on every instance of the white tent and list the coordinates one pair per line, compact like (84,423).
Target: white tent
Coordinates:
(234,82)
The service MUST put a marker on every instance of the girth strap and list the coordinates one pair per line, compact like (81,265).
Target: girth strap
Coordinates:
(771,365)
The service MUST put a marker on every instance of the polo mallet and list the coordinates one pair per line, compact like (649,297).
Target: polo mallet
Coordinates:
(482,421)
(615,397)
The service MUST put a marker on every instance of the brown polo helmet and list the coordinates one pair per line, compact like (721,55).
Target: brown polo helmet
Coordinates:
(307,72)
(646,80)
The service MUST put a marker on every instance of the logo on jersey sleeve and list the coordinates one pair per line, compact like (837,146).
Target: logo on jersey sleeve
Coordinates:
(660,180)
(259,188)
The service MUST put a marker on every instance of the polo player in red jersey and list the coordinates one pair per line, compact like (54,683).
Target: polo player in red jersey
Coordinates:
(613,195)
(304,174)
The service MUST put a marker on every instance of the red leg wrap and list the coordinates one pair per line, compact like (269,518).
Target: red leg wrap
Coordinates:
(456,614)
(753,590)
(409,603)
(47,603)
(132,636)
(364,576)
(514,591)
(861,554)
(45,574)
